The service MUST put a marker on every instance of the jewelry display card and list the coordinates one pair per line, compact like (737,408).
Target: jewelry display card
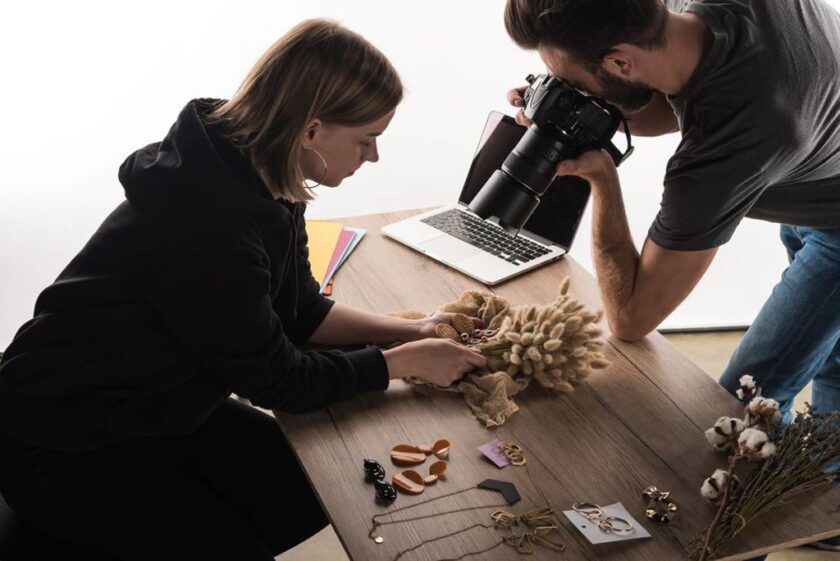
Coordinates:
(595,535)
(494,454)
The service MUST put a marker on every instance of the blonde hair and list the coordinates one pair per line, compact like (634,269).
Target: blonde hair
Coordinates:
(319,69)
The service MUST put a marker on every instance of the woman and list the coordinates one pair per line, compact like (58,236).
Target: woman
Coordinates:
(117,429)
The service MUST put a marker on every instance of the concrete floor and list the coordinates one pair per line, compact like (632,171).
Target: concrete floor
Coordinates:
(710,351)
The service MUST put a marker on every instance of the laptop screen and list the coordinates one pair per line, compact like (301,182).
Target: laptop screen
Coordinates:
(561,208)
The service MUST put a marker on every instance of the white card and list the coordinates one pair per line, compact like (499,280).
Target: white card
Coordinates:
(591,531)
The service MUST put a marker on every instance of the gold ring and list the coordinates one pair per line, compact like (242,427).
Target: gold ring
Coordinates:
(607,525)
(590,511)
(513,452)
(517,460)
(510,447)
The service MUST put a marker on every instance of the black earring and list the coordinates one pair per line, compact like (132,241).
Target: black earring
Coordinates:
(375,473)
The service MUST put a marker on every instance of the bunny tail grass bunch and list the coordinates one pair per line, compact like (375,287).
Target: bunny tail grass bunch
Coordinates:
(556,344)
(792,460)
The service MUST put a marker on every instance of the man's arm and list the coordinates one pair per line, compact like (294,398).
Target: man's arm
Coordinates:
(638,291)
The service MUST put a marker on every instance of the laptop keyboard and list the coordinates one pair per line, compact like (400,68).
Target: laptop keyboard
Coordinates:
(486,236)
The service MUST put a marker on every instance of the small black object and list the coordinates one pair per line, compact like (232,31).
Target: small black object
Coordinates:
(507,489)
(375,473)
(373,470)
(385,492)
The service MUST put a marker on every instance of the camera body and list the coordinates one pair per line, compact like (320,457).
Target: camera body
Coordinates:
(566,124)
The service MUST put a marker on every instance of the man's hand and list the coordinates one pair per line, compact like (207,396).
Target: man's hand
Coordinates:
(516,98)
(595,166)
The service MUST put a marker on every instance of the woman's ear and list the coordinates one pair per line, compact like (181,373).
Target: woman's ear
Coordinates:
(311,131)
(619,62)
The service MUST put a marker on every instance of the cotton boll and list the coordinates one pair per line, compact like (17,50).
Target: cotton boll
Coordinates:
(752,443)
(755,405)
(729,426)
(724,430)
(752,439)
(715,438)
(767,450)
(708,491)
(747,389)
(713,487)
(764,409)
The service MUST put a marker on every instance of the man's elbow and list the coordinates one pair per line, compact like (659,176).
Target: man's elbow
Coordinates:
(628,329)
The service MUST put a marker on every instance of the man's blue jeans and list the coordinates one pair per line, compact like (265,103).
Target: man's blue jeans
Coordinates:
(796,337)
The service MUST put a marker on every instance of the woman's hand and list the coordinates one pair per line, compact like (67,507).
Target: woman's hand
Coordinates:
(426,326)
(439,361)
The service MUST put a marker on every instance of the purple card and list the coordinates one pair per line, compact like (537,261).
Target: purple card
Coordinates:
(492,452)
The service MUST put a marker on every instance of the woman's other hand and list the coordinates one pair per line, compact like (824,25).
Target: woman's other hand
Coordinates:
(427,325)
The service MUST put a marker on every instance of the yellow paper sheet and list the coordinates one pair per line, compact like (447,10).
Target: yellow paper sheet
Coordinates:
(323,237)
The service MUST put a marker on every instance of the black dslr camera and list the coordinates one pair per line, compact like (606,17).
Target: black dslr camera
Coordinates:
(566,124)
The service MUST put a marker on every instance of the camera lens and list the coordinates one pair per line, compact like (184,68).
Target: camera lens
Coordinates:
(513,192)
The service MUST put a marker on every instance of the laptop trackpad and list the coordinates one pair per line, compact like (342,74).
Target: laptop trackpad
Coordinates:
(448,249)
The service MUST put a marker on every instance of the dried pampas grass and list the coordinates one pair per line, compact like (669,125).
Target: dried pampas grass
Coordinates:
(556,344)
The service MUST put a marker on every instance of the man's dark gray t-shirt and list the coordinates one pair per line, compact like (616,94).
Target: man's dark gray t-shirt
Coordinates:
(760,122)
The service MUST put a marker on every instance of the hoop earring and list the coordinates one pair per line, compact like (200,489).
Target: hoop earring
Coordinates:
(325,168)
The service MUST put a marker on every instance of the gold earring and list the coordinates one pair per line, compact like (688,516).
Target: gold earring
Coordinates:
(325,167)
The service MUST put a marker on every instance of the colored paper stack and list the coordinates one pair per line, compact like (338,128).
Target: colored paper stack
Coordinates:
(329,244)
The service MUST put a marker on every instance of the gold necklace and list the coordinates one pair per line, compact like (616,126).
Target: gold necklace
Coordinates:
(541,521)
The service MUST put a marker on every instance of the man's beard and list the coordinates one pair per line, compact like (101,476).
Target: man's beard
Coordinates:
(628,95)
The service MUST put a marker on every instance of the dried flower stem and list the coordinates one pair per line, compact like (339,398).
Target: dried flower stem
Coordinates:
(724,503)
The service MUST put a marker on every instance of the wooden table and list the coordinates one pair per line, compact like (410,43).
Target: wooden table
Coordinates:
(638,423)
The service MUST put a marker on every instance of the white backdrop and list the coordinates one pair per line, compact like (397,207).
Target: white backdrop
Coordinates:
(85,83)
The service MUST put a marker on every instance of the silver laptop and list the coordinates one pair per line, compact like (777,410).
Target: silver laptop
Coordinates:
(481,249)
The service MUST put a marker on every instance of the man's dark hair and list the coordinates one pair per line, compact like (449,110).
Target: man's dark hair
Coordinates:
(587,29)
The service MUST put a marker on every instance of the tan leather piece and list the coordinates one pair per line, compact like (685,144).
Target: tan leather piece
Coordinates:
(441,448)
(408,458)
(438,468)
(409,481)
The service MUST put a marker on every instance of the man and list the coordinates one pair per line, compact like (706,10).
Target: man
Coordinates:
(754,88)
